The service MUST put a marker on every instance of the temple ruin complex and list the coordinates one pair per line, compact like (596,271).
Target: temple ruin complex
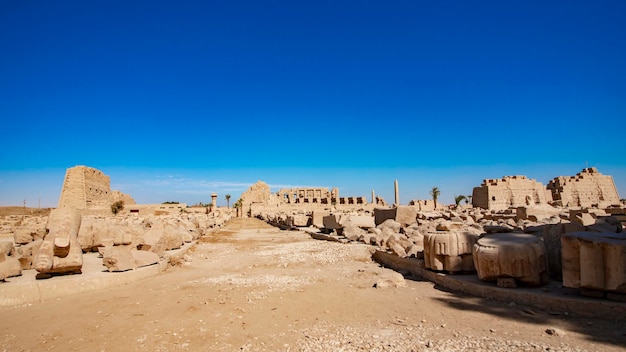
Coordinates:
(588,188)
(88,188)
(308,195)
(509,191)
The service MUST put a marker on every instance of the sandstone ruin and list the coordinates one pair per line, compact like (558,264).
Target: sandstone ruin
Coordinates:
(514,235)
(509,191)
(88,188)
(588,188)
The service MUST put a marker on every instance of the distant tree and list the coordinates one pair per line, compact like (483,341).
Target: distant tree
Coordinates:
(459,199)
(116,207)
(170,202)
(238,204)
(227,200)
(435,193)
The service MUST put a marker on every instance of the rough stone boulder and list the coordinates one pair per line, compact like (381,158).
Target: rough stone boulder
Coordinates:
(60,252)
(362,221)
(405,215)
(449,251)
(25,235)
(9,263)
(391,225)
(26,253)
(124,257)
(96,233)
(595,261)
(353,233)
(518,256)
(161,238)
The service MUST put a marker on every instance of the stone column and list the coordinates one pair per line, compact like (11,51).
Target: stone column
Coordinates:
(373,197)
(397,193)
(214,200)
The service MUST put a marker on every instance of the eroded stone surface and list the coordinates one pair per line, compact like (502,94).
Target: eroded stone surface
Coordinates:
(595,261)
(449,251)
(60,251)
(511,255)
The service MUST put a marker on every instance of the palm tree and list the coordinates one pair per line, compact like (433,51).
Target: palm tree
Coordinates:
(227,199)
(435,193)
(459,199)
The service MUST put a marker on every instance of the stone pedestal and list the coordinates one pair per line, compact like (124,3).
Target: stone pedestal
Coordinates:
(595,261)
(449,251)
(519,256)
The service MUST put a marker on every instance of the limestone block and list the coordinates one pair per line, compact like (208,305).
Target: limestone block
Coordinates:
(60,251)
(390,224)
(24,235)
(595,261)
(331,222)
(26,253)
(450,251)
(381,215)
(9,263)
(300,220)
(582,218)
(144,258)
(118,258)
(353,233)
(161,238)
(606,224)
(317,218)
(406,215)
(362,221)
(125,257)
(447,225)
(511,255)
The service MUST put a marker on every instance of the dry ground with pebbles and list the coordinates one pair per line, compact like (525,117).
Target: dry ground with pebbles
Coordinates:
(251,287)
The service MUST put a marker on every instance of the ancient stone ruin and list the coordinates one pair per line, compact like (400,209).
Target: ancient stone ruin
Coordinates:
(509,191)
(588,188)
(88,188)
(84,225)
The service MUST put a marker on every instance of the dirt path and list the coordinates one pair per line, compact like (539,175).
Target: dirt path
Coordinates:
(252,287)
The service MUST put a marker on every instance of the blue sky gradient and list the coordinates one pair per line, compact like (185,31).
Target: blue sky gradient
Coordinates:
(175,100)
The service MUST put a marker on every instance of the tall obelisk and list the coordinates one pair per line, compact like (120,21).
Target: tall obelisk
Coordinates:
(395,187)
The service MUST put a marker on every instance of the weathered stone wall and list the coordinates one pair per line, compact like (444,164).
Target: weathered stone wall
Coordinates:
(88,188)
(588,188)
(509,191)
(126,198)
(305,195)
(260,194)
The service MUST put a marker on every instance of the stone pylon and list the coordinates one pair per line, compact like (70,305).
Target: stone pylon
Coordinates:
(397,193)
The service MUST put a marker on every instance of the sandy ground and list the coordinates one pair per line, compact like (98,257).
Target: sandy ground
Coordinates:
(4,211)
(251,287)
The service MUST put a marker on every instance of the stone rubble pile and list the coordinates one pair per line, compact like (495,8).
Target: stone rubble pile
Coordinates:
(55,244)
(517,246)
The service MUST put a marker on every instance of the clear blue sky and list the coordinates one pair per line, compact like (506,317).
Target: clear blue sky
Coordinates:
(178,99)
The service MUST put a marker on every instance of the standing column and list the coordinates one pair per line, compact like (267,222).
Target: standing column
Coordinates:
(214,200)
(395,187)
(373,198)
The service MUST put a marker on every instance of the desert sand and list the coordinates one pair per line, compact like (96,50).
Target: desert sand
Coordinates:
(252,287)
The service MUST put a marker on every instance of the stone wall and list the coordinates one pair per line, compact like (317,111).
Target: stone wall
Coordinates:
(307,195)
(88,188)
(260,194)
(509,191)
(588,188)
